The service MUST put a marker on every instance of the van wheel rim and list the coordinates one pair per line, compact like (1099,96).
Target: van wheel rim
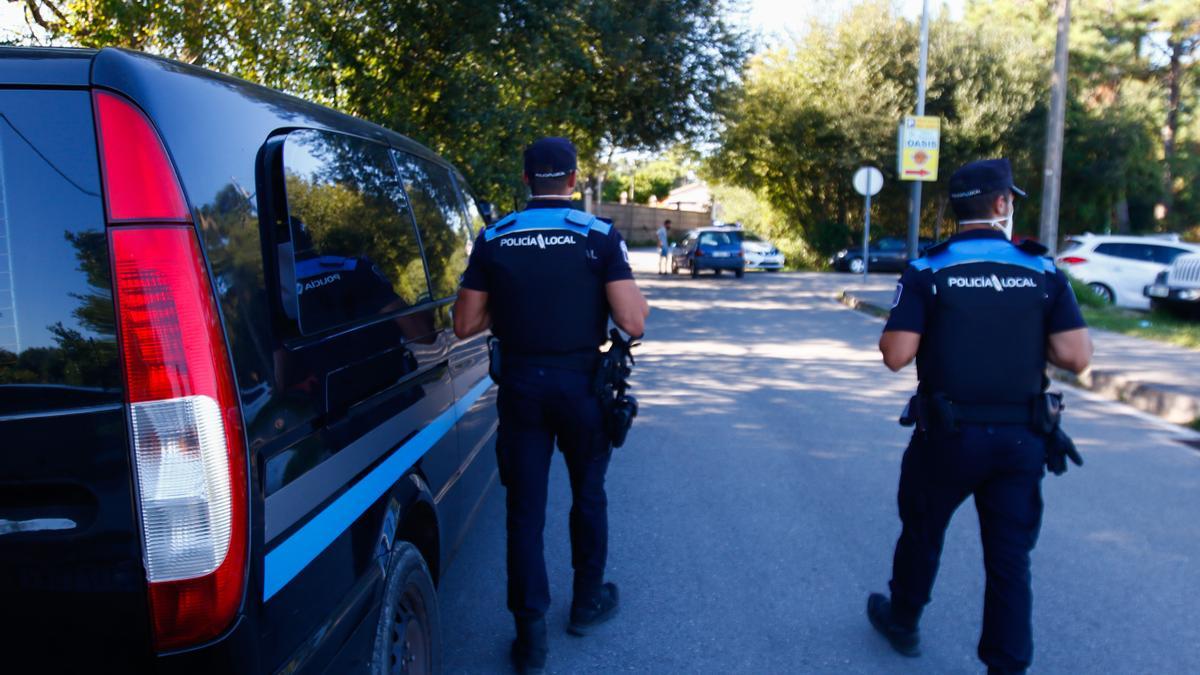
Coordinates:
(856,266)
(410,649)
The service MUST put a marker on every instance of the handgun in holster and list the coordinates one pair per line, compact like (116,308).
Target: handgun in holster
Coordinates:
(1047,421)
(612,385)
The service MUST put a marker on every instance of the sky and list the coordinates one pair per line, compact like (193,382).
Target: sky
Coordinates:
(776,20)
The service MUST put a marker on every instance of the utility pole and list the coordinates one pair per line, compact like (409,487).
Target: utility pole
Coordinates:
(914,200)
(1052,178)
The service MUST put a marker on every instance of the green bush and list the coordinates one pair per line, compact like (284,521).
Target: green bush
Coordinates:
(799,255)
(828,237)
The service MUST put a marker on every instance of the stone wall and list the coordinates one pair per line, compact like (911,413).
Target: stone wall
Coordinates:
(637,223)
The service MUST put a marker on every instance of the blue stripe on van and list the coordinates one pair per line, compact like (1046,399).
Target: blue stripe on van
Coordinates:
(286,560)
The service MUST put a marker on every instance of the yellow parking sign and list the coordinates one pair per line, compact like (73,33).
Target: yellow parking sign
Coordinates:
(920,139)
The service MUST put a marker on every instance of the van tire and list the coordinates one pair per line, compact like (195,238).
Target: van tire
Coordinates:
(408,635)
(695,270)
(739,273)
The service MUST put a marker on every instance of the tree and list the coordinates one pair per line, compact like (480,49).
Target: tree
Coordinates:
(1131,134)
(642,179)
(479,80)
(241,37)
(475,80)
(1180,21)
(811,114)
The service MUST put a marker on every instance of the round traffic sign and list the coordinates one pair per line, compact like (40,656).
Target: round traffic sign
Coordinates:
(868,180)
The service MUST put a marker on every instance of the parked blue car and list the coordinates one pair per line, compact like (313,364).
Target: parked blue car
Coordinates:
(710,248)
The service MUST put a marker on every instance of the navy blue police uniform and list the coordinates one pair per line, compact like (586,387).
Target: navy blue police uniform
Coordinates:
(984,308)
(545,270)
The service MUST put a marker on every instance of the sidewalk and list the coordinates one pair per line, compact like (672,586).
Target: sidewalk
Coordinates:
(1154,377)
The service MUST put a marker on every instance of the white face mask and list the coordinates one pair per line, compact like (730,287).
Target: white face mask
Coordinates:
(1004,224)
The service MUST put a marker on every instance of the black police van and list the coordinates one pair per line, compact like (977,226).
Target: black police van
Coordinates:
(237,433)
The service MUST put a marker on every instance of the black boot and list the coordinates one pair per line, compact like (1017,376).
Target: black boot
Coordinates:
(529,649)
(901,632)
(595,608)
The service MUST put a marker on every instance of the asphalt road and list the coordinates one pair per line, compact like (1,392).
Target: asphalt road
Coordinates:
(753,510)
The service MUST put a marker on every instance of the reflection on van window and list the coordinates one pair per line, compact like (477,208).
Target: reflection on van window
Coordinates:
(476,220)
(56,308)
(352,242)
(444,230)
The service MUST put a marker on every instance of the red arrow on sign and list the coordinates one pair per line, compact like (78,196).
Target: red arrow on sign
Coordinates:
(921,172)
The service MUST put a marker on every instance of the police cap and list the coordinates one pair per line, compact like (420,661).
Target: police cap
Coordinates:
(983,177)
(550,157)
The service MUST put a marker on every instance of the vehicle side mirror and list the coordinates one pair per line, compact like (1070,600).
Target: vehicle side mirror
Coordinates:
(486,210)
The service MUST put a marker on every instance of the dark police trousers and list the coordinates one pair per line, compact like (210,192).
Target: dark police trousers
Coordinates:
(1002,466)
(537,407)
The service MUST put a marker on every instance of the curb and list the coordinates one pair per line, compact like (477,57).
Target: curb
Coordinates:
(1159,400)
(864,306)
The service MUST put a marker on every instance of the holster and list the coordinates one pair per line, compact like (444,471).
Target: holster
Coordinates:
(912,415)
(1047,415)
(611,386)
(930,414)
(494,359)
(1047,412)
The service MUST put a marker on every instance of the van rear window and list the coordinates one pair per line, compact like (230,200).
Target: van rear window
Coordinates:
(353,247)
(57,335)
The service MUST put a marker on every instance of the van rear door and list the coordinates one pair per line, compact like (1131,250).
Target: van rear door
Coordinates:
(72,581)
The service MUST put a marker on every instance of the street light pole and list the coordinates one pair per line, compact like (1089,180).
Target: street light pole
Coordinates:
(1052,177)
(914,200)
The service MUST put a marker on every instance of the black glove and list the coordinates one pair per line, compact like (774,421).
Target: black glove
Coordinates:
(1059,447)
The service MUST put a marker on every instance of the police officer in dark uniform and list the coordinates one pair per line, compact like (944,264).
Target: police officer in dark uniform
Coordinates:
(982,316)
(546,280)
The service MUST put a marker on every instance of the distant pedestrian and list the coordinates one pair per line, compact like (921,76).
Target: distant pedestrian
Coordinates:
(664,247)
(981,316)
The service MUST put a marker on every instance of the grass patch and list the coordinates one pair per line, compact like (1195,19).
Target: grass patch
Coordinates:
(1151,325)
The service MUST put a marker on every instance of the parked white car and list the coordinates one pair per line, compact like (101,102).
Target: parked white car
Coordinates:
(1118,268)
(761,254)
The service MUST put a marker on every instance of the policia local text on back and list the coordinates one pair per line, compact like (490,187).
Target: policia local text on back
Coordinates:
(546,280)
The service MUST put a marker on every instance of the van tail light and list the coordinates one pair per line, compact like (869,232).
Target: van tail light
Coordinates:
(699,253)
(140,184)
(189,456)
(1072,260)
